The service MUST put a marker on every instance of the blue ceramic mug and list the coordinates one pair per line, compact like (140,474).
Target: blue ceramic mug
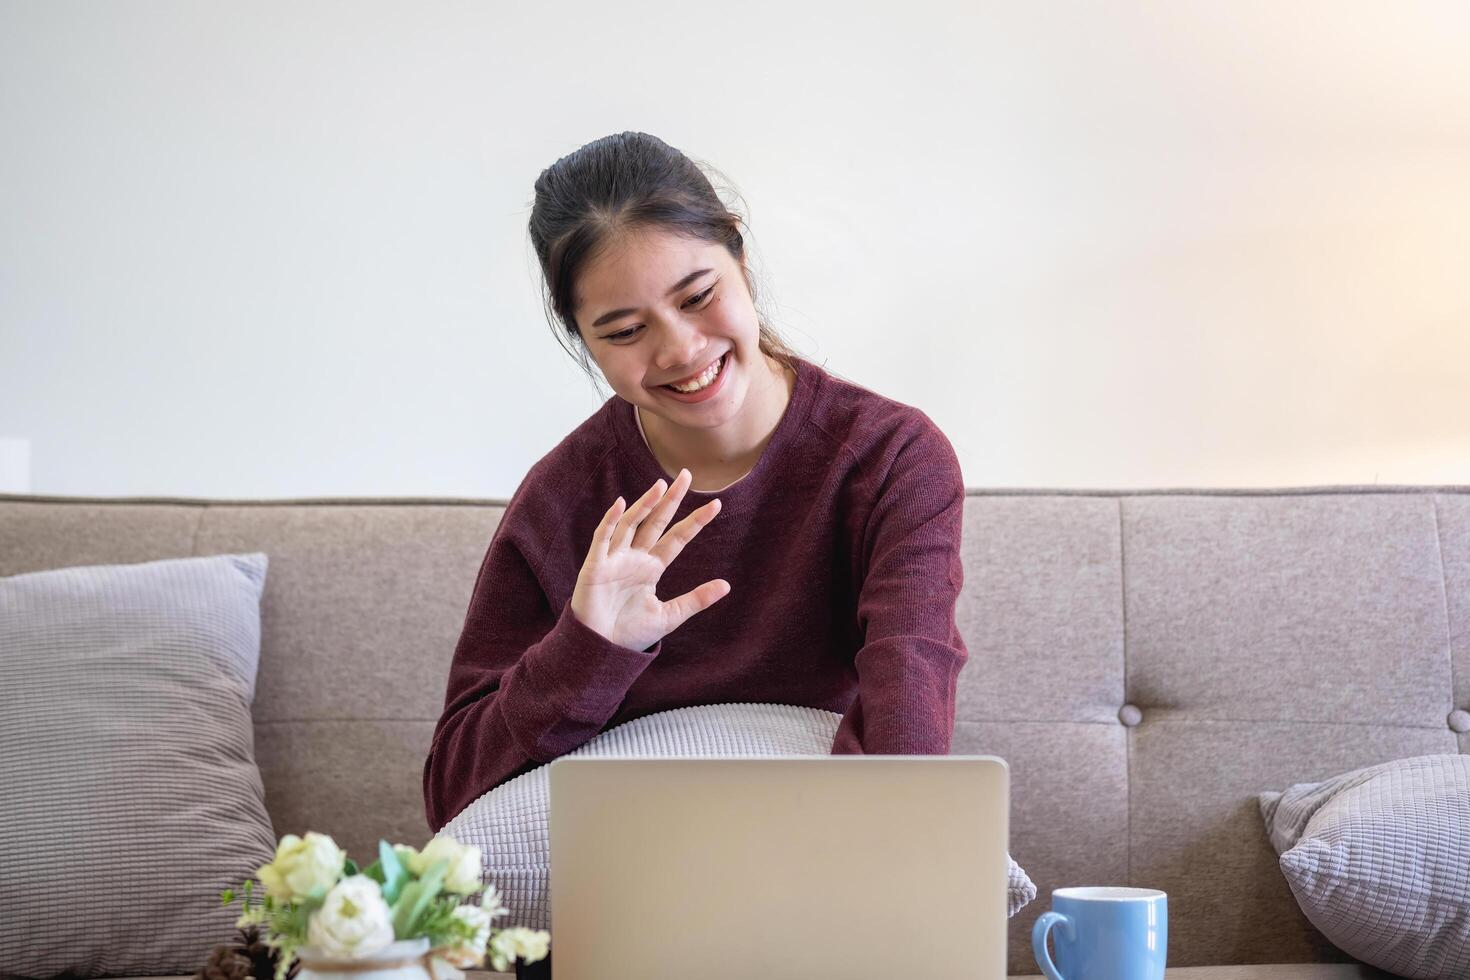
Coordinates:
(1104,934)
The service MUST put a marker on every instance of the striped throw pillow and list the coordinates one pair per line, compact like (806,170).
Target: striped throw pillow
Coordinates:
(129,794)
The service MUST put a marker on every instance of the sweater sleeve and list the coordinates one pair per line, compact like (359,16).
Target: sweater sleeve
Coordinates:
(527,683)
(912,650)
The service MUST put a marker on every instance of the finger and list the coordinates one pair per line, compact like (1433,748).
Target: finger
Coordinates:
(680,534)
(694,601)
(650,529)
(629,522)
(605,527)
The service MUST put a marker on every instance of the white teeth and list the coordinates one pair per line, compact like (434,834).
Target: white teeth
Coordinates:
(703,381)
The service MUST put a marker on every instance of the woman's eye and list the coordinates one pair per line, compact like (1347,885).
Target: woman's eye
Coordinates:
(692,301)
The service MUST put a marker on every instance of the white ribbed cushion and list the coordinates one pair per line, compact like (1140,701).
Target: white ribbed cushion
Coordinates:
(510,821)
(129,795)
(1379,860)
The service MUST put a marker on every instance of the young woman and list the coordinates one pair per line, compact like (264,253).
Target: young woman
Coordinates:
(805,529)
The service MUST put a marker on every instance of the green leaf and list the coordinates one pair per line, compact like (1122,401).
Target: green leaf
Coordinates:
(291,922)
(375,872)
(388,858)
(417,895)
(441,926)
(395,875)
(350,868)
(227,896)
(406,910)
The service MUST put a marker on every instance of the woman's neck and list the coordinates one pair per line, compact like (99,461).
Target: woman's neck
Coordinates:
(716,459)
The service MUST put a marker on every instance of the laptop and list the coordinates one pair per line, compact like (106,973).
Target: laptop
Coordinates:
(853,867)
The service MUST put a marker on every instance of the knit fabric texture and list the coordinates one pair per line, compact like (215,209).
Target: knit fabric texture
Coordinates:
(509,823)
(842,550)
(1379,861)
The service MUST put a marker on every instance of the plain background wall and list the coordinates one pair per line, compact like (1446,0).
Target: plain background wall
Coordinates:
(279,249)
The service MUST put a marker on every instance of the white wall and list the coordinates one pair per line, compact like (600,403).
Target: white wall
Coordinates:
(279,249)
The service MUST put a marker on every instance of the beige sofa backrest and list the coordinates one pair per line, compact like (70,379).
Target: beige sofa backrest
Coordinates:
(1146,662)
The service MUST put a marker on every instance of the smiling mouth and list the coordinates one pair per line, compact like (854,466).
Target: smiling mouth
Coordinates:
(720,361)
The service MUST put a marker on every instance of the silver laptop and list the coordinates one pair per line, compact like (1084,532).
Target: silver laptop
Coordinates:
(851,867)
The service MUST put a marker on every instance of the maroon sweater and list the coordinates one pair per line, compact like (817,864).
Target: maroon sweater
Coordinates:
(842,550)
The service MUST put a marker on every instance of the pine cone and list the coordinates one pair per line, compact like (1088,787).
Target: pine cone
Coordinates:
(250,943)
(224,963)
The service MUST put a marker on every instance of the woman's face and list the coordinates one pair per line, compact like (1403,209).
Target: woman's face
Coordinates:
(659,308)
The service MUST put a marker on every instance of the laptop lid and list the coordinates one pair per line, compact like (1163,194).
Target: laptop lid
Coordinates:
(859,867)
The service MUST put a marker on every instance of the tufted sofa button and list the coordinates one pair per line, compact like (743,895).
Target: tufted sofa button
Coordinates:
(1130,715)
(1459,721)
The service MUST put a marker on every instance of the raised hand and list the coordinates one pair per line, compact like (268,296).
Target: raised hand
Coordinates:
(615,588)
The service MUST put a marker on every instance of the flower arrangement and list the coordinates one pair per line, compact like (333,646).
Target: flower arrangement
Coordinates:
(319,904)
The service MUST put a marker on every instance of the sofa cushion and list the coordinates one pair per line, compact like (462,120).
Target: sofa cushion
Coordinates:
(509,823)
(131,796)
(1378,859)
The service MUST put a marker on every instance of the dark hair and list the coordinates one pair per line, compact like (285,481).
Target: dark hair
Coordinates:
(610,188)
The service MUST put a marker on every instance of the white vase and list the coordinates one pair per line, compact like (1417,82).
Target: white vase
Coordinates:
(402,960)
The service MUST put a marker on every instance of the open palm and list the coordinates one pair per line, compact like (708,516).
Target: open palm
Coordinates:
(615,593)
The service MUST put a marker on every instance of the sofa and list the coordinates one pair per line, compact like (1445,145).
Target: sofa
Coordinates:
(1147,662)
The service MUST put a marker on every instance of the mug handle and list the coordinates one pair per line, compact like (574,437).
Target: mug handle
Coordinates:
(1038,940)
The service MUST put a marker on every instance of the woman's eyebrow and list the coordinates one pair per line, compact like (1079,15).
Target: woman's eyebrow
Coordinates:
(612,315)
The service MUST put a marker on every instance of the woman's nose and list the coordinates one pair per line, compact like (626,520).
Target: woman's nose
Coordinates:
(680,345)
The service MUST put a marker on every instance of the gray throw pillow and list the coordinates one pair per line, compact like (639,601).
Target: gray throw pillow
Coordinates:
(129,794)
(1379,861)
(509,822)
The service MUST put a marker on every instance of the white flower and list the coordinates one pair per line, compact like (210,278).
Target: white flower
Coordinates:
(405,854)
(353,922)
(472,952)
(492,903)
(302,865)
(464,864)
(508,945)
